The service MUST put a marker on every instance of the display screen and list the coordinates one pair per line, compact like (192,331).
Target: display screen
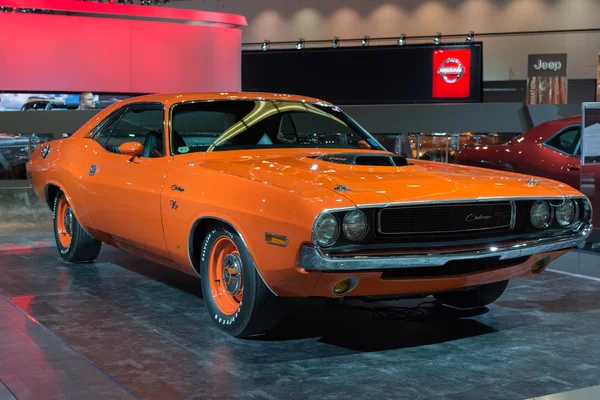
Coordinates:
(52,101)
(371,74)
(451,74)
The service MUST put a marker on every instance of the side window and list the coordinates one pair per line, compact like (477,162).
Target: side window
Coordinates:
(141,123)
(567,141)
(103,131)
(34,106)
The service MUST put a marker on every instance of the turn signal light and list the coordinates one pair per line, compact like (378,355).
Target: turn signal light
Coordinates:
(540,265)
(276,240)
(345,286)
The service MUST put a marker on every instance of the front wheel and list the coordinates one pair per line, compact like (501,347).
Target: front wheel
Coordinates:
(478,297)
(73,242)
(236,297)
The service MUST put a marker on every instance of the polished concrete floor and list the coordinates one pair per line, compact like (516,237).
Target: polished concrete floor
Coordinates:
(124,328)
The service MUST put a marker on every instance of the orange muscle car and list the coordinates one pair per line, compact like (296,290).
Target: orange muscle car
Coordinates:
(268,196)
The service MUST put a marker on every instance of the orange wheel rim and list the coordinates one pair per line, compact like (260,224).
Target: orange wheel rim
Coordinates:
(225,275)
(64,222)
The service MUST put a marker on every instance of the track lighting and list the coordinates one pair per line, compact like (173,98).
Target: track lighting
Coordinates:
(365,41)
(402,40)
(336,42)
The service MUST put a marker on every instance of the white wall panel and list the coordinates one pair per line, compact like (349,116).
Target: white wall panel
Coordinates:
(504,58)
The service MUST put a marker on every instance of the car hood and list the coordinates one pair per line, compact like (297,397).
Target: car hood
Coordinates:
(368,184)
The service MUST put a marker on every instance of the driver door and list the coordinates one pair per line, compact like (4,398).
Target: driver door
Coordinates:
(123,192)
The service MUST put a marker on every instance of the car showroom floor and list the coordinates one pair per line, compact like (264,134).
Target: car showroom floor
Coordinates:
(123,327)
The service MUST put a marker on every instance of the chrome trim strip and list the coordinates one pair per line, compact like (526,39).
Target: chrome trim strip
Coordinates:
(313,259)
(462,200)
(513,215)
(509,226)
(576,217)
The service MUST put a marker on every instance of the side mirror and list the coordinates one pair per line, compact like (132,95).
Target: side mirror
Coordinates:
(133,149)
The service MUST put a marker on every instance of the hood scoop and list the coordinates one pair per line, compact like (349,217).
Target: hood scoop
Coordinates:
(366,159)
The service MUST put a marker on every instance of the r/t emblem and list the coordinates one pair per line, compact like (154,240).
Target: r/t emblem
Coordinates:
(174,205)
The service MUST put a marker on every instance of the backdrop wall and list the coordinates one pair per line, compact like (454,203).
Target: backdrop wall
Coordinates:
(504,58)
(62,53)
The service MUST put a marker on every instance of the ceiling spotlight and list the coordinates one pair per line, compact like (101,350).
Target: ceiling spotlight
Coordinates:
(402,40)
(365,41)
(336,42)
(265,45)
(437,39)
(470,37)
(300,44)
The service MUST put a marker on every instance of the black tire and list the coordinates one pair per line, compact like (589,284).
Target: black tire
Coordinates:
(259,309)
(81,246)
(477,297)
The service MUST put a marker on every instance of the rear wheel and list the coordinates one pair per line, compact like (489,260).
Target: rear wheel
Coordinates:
(478,297)
(236,297)
(73,242)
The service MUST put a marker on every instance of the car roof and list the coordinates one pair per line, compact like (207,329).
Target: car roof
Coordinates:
(42,100)
(191,96)
(545,130)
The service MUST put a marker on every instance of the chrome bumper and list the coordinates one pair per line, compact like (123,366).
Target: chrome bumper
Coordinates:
(313,259)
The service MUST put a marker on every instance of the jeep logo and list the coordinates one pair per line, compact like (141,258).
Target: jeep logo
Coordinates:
(547,65)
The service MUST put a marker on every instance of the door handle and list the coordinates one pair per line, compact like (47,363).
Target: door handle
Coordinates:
(572,167)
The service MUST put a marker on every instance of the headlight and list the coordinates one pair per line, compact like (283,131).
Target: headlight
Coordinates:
(355,225)
(540,214)
(326,230)
(565,213)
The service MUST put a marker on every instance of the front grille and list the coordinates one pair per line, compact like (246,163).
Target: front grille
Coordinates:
(445,218)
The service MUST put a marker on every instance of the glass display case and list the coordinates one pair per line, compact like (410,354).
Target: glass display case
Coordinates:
(15,151)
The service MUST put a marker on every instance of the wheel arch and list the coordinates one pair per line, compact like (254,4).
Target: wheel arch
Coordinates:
(198,232)
(51,190)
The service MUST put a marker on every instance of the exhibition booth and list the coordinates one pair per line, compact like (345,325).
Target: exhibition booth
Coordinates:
(367,215)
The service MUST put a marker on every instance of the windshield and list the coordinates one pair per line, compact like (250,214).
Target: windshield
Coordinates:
(258,124)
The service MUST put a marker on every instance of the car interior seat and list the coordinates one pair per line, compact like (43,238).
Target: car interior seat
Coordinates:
(177,142)
(153,145)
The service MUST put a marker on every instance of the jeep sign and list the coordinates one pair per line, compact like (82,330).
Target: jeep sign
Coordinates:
(547,65)
(547,79)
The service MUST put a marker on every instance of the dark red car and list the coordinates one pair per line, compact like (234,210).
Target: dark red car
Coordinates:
(551,150)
